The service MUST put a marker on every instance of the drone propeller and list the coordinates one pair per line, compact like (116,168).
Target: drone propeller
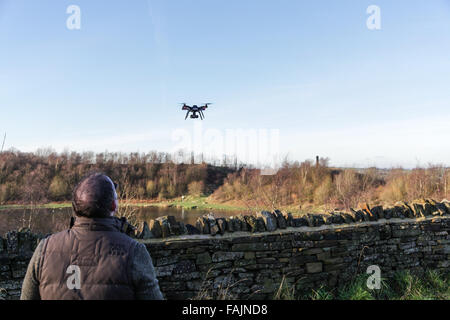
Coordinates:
(205,106)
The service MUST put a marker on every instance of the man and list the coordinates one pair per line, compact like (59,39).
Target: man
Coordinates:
(94,259)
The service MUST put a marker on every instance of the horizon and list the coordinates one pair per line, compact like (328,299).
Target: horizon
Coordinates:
(311,76)
(186,158)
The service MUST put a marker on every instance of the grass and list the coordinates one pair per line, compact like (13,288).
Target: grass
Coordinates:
(205,203)
(202,202)
(286,291)
(189,202)
(403,286)
(221,292)
(52,205)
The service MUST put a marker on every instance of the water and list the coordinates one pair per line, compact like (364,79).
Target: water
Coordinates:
(53,220)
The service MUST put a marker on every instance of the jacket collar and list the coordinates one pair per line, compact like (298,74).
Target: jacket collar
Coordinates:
(98,224)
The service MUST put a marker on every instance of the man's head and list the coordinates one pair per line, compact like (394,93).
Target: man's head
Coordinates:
(95,197)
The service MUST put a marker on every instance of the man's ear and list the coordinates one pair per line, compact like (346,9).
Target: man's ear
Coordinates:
(113,206)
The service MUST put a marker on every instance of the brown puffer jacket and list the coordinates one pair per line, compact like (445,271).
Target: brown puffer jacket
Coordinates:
(91,260)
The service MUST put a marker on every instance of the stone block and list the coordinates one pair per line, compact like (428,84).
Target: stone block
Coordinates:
(226,256)
(269,219)
(143,231)
(282,222)
(222,224)
(314,267)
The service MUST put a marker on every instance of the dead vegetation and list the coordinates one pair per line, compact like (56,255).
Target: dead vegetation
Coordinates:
(46,176)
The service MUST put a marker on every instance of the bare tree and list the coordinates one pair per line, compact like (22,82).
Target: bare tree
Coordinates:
(3,144)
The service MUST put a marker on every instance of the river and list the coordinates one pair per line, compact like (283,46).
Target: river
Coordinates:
(53,220)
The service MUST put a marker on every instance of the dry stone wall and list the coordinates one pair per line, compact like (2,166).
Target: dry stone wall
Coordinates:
(253,266)
(249,257)
(16,250)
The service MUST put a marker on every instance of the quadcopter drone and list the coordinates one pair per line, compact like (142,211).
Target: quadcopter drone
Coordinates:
(195,109)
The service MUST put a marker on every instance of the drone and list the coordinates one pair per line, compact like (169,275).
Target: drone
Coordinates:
(195,109)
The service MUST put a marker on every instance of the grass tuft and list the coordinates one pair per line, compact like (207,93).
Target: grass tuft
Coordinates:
(404,285)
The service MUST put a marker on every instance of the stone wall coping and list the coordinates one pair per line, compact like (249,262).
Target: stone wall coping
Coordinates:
(290,230)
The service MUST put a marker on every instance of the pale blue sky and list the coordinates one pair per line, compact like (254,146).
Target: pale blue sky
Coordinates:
(310,69)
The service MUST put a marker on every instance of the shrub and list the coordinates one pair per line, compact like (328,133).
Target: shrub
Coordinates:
(195,188)
(6,193)
(324,192)
(58,189)
(171,191)
(151,189)
(348,188)
(395,190)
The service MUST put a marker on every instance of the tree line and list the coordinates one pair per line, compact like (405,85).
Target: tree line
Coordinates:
(314,184)
(45,176)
